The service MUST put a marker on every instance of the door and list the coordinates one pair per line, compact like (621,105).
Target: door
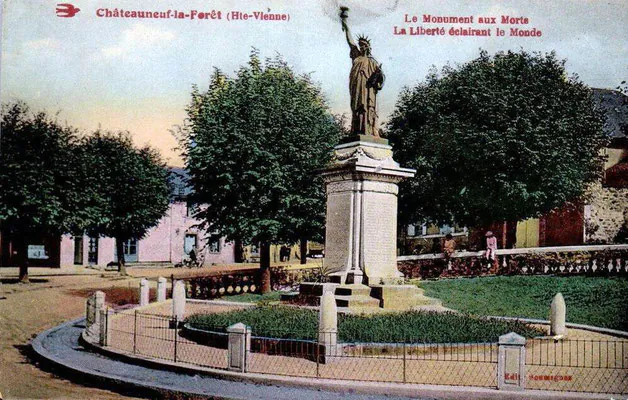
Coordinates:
(92,252)
(78,250)
(189,244)
(130,250)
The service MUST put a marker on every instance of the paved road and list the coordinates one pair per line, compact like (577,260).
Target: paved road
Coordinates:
(61,345)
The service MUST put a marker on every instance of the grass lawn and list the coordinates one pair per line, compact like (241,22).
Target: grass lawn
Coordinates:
(594,301)
(409,327)
(254,297)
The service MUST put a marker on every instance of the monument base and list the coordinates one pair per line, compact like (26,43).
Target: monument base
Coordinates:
(401,297)
(363,298)
(361,227)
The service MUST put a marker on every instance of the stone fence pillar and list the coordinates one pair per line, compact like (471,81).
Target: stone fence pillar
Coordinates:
(239,346)
(95,303)
(144,292)
(161,289)
(558,315)
(105,332)
(178,300)
(328,324)
(511,362)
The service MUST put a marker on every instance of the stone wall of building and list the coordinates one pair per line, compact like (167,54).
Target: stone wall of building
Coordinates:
(606,212)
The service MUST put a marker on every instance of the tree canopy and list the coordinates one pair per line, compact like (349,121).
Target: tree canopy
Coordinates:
(500,138)
(38,193)
(53,182)
(128,190)
(252,145)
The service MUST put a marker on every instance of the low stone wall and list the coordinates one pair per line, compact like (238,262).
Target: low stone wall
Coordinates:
(600,260)
(607,212)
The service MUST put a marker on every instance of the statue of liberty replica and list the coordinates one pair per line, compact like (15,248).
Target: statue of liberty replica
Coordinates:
(365,80)
(361,185)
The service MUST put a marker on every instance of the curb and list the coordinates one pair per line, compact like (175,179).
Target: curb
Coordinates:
(128,386)
(591,328)
(346,387)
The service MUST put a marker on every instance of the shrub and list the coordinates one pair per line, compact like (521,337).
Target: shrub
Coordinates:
(409,327)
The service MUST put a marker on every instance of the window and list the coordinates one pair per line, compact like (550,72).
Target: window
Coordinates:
(213,243)
(191,209)
(411,230)
(432,231)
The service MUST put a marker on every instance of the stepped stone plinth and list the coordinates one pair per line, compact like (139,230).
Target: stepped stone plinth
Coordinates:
(361,230)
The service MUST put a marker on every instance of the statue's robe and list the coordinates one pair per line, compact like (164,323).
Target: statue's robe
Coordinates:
(365,80)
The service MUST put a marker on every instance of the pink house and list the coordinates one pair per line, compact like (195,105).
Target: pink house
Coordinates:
(169,242)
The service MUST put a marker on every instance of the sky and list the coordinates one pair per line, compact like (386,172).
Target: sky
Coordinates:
(134,74)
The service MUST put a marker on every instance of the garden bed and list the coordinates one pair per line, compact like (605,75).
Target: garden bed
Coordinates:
(408,327)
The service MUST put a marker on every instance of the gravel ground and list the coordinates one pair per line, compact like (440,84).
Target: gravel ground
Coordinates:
(28,309)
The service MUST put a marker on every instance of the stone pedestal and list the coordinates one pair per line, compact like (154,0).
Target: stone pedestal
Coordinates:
(144,292)
(400,297)
(239,347)
(558,316)
(328,324)
(361,229)
(161,288)
(511,362)
(178,300)
(94,305)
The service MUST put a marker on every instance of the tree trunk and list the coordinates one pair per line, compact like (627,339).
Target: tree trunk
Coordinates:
(120,251)
(303,250)
(505,235)
(264,260)
(238,250)
(22,258)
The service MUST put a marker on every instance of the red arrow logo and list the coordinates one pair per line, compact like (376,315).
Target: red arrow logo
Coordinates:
(66,10)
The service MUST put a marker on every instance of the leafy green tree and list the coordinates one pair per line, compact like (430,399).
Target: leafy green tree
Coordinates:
(252,145)
(39,195)
(501,138)
(127,187)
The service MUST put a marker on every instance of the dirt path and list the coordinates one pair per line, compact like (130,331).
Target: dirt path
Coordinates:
(52,298)
(26,311)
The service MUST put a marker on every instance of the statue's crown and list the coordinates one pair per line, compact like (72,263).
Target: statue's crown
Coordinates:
(363,38)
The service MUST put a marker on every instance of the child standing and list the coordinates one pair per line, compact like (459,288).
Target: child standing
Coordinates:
(491,246)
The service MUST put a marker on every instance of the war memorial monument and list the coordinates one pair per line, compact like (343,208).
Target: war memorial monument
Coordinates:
(361,189)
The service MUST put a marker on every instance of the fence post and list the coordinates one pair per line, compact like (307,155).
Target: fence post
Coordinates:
(511,362)
(95,303)
(558,312)
(318,355)
(404,362)
(176,333)
(161,289)
(239,346)
(104,327)
(144,292)
(328,324)
(178,300)
(135,332)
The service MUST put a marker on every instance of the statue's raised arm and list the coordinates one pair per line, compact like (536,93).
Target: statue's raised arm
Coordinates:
(365,80)
(343,18)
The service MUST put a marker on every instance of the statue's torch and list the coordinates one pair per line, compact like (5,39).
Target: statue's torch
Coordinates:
(344,13)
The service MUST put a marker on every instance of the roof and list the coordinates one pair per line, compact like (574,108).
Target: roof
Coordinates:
(179,178)
(617,176)
(615,106)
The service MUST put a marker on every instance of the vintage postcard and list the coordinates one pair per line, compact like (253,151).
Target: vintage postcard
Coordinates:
(365,198)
